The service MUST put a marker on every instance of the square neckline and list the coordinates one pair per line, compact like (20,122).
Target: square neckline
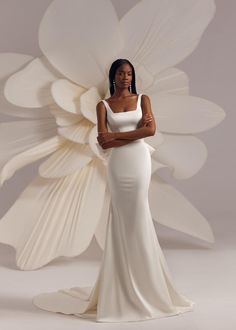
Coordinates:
(137,105)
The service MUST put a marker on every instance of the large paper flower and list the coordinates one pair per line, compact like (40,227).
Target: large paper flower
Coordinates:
(68,203)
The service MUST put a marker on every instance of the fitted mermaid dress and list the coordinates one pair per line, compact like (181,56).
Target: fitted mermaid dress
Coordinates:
(134,282)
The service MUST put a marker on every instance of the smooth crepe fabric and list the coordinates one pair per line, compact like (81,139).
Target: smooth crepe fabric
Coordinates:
(134,282)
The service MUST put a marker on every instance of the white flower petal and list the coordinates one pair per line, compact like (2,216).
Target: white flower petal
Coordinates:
(172,81)
(184,155)
(81,49)
(144,78)
(77,133)
(64,118)
(18,136)
(69,158)
(9,64)
(30,87)
(9,109)
(101,153)
(166,34)
(88,102)
(185,114)
(29,156)
(155,140)
(76,100)
(156,165)
(150,148)
(67,95)
(170,208)
(53,218)
(12,62)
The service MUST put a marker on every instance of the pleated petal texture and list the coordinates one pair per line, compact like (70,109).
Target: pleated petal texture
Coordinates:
(79,48)
(167,33)
(30,87)
(29,156)
(77,133)
(53,218)
(66,160)
(170,208)
(101,153)
(184,114)
(171,80)
(64,118)
(13,137)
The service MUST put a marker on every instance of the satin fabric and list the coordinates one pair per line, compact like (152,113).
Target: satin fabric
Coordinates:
(134,282)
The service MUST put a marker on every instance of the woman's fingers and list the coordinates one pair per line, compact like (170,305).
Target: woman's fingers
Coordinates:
(147,118)
(147,115)
(105,137)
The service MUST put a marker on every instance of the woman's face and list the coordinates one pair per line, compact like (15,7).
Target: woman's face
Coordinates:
(123,76)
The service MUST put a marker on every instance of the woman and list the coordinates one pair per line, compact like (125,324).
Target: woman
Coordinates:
(134,282)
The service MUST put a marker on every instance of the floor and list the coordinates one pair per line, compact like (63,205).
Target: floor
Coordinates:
(204,273)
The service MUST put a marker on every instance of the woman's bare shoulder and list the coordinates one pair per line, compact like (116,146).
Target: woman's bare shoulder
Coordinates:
(100,105)
(145,97)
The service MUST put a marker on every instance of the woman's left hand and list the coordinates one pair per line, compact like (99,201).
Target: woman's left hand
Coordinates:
(105,137)
(145,120)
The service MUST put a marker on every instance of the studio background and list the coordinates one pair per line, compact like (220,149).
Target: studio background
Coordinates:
(211,70)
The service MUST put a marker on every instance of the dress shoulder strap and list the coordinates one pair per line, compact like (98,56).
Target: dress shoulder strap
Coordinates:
(139,99)
(105,103)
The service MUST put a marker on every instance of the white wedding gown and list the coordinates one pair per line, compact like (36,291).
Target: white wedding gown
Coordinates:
(134,282)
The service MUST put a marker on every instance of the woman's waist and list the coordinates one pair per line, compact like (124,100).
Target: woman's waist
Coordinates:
(138,141)
(130,144)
